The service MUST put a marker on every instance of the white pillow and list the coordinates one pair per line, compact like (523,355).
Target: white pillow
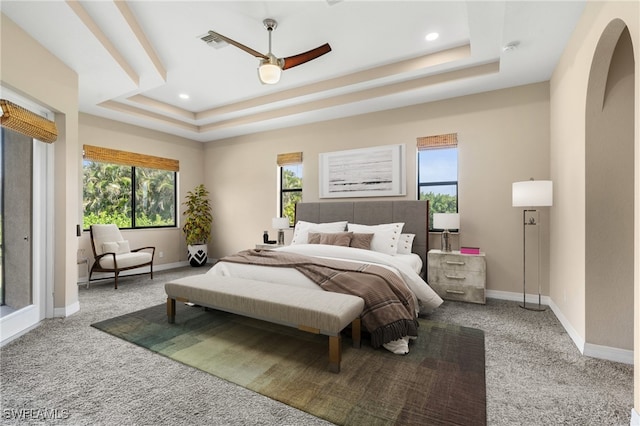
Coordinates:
(117,247)
(110,247)
(302,229)
(406,243)
(123,247)
(385,236)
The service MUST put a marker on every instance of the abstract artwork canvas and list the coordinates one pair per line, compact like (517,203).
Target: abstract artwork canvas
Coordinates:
(366,172)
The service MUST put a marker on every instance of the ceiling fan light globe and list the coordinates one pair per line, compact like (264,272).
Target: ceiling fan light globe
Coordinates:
(269,73)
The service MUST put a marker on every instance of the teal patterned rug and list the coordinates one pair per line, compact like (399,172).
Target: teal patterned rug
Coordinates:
(440,382)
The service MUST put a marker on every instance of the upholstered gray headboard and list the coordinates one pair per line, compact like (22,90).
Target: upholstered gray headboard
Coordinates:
(414,214)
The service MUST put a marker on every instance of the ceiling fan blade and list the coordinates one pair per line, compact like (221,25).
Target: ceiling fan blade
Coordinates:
(301,58)
(239,45)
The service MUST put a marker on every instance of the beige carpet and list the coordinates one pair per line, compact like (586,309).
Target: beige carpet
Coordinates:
(441,381)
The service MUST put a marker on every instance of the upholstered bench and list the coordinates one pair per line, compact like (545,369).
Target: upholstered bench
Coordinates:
(315,311)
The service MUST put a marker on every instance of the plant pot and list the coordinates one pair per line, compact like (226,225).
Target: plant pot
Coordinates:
(197,254)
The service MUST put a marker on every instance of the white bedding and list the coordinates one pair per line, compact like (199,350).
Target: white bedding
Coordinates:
(428,299)
(412,259)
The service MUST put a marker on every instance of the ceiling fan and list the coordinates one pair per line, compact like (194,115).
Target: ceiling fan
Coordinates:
(270,66)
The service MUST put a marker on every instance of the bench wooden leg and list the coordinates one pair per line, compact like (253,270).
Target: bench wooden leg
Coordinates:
(335,353)
(356,332)
(171,310)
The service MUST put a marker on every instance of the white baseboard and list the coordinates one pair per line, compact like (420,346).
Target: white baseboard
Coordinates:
(16,335)
(635,418)
(173,265)
(517,297)
(66,311)
(578,340)
(18,323)
(624,356)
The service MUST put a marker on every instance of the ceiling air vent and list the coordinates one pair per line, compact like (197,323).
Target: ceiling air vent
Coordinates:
(213,41)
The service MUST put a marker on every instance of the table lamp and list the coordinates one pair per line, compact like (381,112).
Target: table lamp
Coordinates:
(446,221)
(280,223)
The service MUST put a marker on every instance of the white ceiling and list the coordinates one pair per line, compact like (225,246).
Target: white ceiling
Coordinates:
(134,58)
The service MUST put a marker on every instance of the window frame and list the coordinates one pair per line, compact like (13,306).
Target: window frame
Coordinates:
(175,199)
(284,191)
(432,184)
(133,195)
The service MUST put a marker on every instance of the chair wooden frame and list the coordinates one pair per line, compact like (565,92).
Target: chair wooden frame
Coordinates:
(96,267)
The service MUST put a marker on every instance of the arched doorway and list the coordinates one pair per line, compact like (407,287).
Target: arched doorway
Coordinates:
(609,251)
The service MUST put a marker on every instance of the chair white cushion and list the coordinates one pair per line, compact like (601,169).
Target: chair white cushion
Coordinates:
(126,260)
(110,247)
(117,247)
(105,234)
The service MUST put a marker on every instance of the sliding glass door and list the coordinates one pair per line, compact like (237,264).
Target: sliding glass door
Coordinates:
(16,224)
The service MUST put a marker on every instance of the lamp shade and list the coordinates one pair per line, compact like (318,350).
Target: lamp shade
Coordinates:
(446,220)
(532,193)
(269,73)
(280,223)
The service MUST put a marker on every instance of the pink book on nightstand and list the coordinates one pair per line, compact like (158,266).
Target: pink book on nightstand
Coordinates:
(470,250)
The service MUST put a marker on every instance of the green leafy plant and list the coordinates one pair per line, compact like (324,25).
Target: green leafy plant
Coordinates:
(197,225)
(439,203)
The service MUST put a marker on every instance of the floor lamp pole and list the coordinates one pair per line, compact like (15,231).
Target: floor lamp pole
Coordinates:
(525,222)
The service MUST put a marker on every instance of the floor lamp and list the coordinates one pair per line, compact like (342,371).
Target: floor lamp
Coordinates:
(531,193)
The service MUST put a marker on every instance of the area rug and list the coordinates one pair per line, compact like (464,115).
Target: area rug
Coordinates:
(440,382)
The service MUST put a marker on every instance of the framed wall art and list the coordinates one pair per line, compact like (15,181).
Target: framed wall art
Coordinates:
(368,172)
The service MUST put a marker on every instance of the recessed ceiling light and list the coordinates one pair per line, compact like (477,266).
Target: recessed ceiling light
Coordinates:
(432,36)
(183,96)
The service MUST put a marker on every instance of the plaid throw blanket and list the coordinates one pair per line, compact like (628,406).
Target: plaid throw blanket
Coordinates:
(389,311)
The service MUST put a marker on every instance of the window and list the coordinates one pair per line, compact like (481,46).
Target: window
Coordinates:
(290,166)
(438,173)
(127,189)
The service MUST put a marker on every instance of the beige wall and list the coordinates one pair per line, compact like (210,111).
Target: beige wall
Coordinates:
(503,138)
(609,196)
(112,134)
(568,105)
(30,70)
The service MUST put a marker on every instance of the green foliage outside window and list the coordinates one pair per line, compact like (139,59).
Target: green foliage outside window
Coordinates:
(155,197)
(108,195)
(440,203)
(291,180)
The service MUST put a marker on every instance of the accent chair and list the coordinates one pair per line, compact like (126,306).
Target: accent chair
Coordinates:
(111,252)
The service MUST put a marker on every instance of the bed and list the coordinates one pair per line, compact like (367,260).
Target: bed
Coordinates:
(396,251)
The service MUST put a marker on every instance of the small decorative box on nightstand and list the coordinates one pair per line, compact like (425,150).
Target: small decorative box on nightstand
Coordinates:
(456,276)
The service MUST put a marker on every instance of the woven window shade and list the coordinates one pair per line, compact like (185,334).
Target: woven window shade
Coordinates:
(290,158)
(28,123)
(449,140)
(107,155)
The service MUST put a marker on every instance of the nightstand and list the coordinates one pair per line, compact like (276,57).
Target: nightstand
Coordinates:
(456,276)
(262,246)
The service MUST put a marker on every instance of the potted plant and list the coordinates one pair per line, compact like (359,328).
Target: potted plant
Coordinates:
(197,224)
